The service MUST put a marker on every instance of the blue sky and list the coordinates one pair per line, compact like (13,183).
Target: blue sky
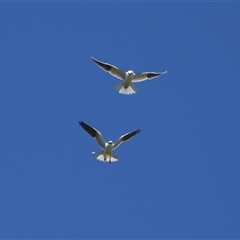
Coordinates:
(178,178)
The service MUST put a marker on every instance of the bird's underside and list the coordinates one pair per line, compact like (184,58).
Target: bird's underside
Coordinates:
(106,155)
(126,86)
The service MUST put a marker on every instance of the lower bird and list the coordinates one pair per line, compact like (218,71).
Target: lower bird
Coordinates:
(106,155)
(126,87)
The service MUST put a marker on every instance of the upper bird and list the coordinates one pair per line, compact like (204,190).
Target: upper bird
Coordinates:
(126,87)
(106,155)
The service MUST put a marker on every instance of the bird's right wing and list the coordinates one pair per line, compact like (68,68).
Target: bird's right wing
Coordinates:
(93,133)
(114,71)
(125,138)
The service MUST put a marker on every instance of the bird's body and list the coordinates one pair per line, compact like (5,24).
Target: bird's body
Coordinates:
(106,155)
(126,87)
(108,151)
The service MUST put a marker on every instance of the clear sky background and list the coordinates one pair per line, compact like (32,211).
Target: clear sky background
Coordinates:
(178,178)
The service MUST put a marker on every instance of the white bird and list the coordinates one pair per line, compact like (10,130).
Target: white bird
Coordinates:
(126,87)
(106,155)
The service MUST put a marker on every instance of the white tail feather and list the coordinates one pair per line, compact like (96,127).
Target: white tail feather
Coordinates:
(131,89)
(108,158)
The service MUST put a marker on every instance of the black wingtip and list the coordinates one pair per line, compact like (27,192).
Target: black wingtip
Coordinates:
(90,130)
(81,123)
(95,60)
(137,131)
(130,135)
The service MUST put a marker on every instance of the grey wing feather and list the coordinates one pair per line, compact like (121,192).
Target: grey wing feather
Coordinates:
(114,71)
(125,138)
(139,77)
(93,133)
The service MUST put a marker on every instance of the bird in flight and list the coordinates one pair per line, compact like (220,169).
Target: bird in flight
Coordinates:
(106,155)
(126,87)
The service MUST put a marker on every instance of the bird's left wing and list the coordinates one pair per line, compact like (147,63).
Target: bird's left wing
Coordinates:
(93,133)
(125,137)
(139,77)
(114,71)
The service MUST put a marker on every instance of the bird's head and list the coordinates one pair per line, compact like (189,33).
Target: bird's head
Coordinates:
(130,72)
(110,143)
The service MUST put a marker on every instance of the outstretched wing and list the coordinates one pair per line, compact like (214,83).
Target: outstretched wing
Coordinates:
(93,133)
(125,138)
(114,71)
(139,77)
